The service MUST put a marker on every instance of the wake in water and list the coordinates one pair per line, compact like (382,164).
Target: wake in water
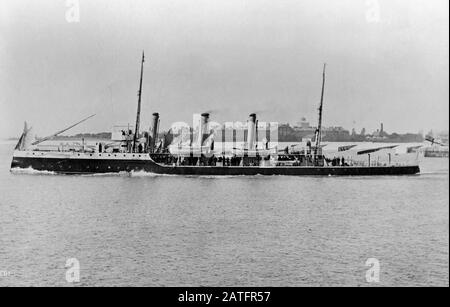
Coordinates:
(137,174)
(30,171)
(149,174)
(436,172)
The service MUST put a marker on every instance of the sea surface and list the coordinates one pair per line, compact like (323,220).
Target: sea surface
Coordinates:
(150,230)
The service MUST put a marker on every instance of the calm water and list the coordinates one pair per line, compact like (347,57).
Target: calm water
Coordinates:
(186,231)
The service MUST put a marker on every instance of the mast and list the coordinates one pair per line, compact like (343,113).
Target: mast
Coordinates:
(319,126)
(138,113)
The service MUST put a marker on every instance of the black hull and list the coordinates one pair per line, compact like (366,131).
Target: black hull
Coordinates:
(97,166)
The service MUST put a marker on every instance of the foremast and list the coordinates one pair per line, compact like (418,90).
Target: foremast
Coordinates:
(138,113)
(319,126)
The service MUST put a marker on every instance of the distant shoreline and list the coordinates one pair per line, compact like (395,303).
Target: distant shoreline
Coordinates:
(393,138)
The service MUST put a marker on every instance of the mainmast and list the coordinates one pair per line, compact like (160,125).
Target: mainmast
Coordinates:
(319,126)
(138,113)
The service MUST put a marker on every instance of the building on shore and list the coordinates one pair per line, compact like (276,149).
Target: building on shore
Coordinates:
(303,130)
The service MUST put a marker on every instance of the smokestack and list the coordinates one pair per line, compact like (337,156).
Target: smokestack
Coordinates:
(154,131)
(251,131)
(203,131)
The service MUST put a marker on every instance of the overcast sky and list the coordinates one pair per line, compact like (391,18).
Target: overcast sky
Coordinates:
(388,61)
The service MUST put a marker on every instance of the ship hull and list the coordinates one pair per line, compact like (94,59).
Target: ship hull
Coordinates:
(126,163)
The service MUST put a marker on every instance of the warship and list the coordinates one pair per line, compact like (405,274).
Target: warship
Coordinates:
(132,151)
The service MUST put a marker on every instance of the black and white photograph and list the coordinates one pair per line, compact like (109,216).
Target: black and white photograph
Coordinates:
(223,149)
